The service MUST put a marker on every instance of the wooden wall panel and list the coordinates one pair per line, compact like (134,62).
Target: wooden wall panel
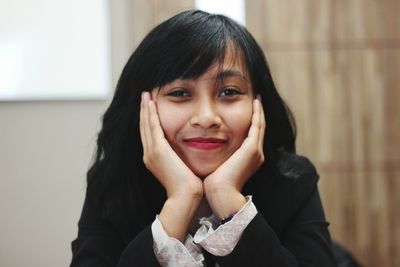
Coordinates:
(336,63)
(324,24)
(149,13)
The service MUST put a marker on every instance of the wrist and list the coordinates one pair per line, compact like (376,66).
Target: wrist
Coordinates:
(185,197)
(218,186)
(190,191)
(224,201)
(227,219)
(177,214)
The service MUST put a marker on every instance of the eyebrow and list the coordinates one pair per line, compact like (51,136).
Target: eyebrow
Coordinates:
(230,73)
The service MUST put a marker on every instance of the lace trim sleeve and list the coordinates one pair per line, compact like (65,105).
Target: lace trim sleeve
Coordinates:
(220,240)
(170,252)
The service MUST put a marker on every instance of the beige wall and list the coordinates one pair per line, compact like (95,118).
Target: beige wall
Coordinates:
(45,151)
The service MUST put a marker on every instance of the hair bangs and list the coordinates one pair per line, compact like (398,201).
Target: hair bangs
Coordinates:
(189,55)
(209,52)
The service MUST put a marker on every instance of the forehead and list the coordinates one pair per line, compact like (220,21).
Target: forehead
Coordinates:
(231,65)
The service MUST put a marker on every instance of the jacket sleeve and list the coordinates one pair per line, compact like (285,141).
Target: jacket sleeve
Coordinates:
(305,241)
(99,245)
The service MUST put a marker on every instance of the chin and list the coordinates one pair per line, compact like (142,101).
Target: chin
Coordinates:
(203,167)
(202,172)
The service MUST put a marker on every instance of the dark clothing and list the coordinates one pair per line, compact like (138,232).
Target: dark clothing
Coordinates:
(289,229)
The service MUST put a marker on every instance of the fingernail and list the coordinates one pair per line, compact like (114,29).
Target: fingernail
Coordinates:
(259,97)
(145,95)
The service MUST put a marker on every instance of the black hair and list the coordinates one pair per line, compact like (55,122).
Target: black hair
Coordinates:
(183,46)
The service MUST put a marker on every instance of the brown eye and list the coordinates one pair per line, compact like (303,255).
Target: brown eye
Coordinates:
(179,93)
(230,91)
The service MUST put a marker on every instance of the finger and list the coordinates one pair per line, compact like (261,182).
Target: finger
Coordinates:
(145,115)
(141,122)
(262,125)
(254,130)
(155,125)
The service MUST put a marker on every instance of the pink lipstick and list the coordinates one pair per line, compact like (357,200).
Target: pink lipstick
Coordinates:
(205,143)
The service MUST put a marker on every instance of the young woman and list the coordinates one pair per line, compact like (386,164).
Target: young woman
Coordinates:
(196,163)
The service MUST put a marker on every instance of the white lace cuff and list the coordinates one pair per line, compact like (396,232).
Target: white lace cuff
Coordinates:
(170,252)
(223,239)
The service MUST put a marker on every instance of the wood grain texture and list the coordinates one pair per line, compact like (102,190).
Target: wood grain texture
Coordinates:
(336,63)
(149,13)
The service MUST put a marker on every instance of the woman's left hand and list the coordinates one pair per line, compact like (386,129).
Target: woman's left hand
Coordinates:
(223,187)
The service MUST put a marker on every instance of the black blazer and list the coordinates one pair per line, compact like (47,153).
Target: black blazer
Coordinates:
(289,229)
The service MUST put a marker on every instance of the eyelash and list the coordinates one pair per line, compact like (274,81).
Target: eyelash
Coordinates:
(228,91)
(231,90)
(178,93)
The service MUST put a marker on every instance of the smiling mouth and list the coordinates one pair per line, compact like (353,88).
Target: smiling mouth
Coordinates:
(205,143)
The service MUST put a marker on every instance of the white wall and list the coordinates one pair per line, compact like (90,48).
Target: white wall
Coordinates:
(50,49)
(45,150)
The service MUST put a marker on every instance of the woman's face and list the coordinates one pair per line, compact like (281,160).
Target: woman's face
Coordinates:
(206,120)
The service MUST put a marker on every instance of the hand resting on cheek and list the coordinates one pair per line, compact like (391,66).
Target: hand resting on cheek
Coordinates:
(223,187)
(161,159)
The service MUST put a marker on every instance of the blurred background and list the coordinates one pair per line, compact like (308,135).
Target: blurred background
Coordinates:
(335,62)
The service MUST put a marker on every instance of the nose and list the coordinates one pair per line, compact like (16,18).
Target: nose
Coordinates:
(206,115)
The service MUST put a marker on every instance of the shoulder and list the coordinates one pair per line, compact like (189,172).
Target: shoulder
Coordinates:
(290,179)
(293,166)
(284,188)
(286,174)
(298,173)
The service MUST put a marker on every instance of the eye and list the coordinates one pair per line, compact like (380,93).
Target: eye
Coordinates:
(230,91)
(179,92)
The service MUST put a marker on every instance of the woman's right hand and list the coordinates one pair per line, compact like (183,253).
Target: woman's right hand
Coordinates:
(160,158)
(184,188)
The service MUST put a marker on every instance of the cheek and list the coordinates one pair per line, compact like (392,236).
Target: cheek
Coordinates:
(171,120)
(239,121)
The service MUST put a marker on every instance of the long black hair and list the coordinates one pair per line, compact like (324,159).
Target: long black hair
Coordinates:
(183,46)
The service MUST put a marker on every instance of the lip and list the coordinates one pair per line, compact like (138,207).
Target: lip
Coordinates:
(205,143)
